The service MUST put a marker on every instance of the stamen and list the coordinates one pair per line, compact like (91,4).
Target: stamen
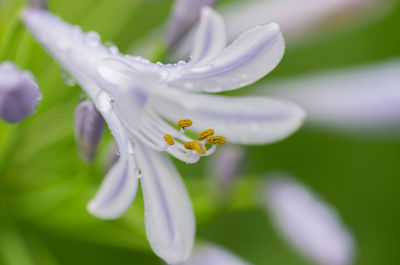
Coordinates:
(205,134)
(169,139)
(184,123)
(199,147)
(216,140)
(188,145)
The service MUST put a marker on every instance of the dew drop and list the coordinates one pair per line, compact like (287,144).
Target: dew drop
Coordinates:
(92,38)
(104,102)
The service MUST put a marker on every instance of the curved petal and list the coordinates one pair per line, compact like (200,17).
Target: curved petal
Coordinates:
(119,187)
(184,14)
(210,37)
(246,120)
(307,222)
(169,218)
(211,254)
(251,56)
(366,98)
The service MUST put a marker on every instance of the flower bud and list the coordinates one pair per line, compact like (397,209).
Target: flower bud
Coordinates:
(89,125)
(19,93)
(227,165)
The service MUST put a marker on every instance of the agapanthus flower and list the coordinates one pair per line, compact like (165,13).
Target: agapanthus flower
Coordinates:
(308,223)
(141,101)
(19,93)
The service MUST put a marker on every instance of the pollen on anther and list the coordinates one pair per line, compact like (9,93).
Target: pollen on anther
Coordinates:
(205,134)
(199,147)
(169,139)
(188,145)
(216,140)
(184,123)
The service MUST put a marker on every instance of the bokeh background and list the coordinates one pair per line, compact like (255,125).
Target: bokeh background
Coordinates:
(44,186)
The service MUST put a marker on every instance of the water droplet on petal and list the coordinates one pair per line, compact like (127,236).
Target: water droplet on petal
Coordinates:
(104,102)
(92,39)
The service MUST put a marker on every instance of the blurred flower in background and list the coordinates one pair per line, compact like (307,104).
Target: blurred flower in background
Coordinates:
(312,226)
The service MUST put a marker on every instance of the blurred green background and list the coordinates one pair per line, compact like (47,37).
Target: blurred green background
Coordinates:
(44,187)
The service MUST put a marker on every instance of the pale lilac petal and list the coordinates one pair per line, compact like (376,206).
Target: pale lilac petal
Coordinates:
(250,57)
(246,120)
(211,254)
(19,93)
(210,38)
(310,224)
(294,17)
(185,14)
(359,98)
(169,218)
(119,187)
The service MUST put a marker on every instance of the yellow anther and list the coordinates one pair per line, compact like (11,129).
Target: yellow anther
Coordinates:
(199,147)
(196,146)
(188,145)
(217,140)
(184,123)
(169,139)
(205,134)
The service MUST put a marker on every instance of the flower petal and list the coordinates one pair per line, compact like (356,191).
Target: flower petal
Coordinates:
(184,14)
(119,187)
(169,218)
(250,57)
(210,38)
(361,98)
(312,226)
(211,254)
(246,120)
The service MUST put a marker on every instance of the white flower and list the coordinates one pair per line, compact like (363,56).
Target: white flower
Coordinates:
(311,225)
(138,98)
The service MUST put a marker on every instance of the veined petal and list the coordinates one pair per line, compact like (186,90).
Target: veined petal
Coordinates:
(312,226)
(251,56)
(210,38)
(119,187)
(361,98)
(246,120)
(169,218)
(211,254)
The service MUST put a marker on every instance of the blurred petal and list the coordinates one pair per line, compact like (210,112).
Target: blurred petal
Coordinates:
(246,120)
(211,254)
(185,13)
(169,218)
(19,93)
(251,56)
(210,38)
(312,226)
(294,17)
(361,98)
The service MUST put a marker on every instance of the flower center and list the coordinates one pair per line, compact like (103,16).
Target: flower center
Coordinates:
(195,148)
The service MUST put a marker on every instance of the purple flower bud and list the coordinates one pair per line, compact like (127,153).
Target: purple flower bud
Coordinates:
(89,125)
(19,93)
(226,166)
